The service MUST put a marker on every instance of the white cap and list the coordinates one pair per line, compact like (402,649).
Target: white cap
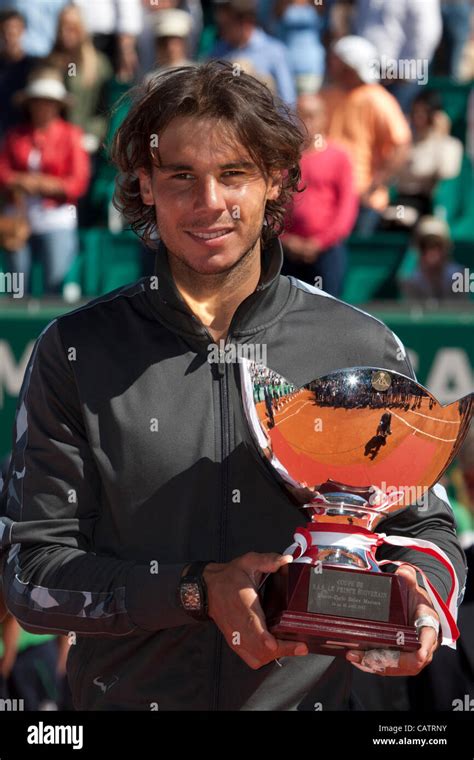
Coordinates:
(172,22)
(49,88)
(432,226)
(360,55)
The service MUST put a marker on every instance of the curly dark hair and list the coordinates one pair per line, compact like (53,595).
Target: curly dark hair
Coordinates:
(272,134)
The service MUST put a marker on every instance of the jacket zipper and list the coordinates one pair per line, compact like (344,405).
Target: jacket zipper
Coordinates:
(225,449)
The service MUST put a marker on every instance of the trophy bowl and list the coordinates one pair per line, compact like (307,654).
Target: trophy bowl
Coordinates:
(350,449)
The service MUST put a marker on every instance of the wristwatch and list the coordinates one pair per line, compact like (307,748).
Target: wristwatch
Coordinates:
(192,591)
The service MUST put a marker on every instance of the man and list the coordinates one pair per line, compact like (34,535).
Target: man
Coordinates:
(172,28)
(117,498)
(314,243)
(241,38)
(368,122)
(406,34)
(114,26)
(15,66)
(41,20)
(384,425)
(436,273)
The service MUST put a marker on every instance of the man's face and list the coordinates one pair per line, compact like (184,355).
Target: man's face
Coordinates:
(311,110)
(433,254)
(170,50)
(206,183)
(43,111)
(11,32)
(229,26)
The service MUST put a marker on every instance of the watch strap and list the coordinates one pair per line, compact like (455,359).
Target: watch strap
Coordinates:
(194,574)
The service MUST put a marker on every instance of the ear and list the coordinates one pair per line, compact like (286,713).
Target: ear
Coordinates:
(145,187)
(274,186)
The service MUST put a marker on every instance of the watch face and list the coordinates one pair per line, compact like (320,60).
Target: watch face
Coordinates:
(191,596)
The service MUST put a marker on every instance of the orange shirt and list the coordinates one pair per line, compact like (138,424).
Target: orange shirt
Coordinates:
(368,122)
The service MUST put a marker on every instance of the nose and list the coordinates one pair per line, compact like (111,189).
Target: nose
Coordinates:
(209,195)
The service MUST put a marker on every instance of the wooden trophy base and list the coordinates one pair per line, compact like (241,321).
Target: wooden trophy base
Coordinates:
(334,609)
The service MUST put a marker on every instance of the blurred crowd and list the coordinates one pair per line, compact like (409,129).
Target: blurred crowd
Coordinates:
(355,71)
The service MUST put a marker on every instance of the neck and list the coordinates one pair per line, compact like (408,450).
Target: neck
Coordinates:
(245,36)
(14,54)
(214,298)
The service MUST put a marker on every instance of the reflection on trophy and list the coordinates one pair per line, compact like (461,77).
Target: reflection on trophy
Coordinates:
(351,449)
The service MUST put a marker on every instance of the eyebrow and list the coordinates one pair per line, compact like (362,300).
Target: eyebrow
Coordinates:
(188,167)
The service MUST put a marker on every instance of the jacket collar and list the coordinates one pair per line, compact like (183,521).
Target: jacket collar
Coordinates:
(261,308)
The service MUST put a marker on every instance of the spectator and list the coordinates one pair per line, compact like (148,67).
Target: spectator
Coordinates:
(366,120)
(237,24)
(86,73)
(114,26)
(44,159)
(41,19)
(15,66)
(433,278)
(299,28)
(403,32)
(434,156)
(171,28)
(457,18)
(324,214)
(146,41)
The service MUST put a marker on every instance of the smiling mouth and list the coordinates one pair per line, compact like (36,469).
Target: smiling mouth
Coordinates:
(210,235)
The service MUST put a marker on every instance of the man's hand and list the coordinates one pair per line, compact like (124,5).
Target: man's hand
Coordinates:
(28,183)
(235,608)
(411,663)
(35,183)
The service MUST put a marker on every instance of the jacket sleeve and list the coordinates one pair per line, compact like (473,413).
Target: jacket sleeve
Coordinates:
(432,519)
(53,580)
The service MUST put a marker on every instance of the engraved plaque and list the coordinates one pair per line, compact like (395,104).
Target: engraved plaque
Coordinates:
(347,594)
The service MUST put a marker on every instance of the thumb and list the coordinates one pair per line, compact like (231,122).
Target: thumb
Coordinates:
(267,562)
(410,574)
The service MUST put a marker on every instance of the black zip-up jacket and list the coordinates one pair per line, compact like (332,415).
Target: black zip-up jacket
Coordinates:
(132,458)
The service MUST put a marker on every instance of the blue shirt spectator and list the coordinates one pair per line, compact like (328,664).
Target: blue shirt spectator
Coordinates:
(41,17)
(268,55)
(299,28)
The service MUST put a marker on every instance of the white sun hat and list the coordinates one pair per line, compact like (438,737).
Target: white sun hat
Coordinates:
(360,55)
(44,87)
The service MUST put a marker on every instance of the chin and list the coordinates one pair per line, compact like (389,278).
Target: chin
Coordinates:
(214,261)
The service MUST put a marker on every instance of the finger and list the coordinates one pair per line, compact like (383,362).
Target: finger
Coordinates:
(410,574)
(292,648)
(259,635)
(265,563)
(428,638)
(250,659)
(412,663)
(417,593)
